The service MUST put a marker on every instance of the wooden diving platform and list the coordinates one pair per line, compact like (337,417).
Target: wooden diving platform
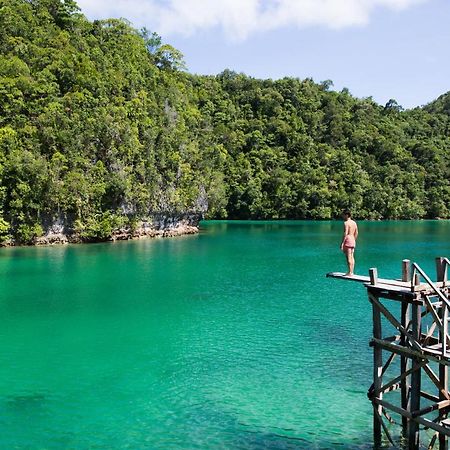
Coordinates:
(416,333)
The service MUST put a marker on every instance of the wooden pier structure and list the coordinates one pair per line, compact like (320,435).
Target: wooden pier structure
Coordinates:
(411,354)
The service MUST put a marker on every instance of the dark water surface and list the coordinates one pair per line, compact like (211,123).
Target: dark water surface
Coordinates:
(229,339)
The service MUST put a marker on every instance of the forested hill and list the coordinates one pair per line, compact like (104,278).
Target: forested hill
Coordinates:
(101,127)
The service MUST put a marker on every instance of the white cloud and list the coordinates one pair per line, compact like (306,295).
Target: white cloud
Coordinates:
(239,19)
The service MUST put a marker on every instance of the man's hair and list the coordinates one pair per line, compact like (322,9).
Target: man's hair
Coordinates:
(347,213)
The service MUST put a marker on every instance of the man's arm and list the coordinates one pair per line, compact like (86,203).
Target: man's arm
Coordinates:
(345,234)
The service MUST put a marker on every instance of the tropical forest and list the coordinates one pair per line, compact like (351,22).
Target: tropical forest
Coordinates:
(102,126)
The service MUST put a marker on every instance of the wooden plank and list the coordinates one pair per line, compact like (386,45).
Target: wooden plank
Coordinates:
(341,275)
(380,419)
(404,363)
(388,363)
(430,408)
(433,377)
(443,335)
(443,370)
(385,283)
(401,377)
(422,420)
(406,351)
(428,396)
(433,440)
(366,279)
(377,372)
(416,380)
(434,313)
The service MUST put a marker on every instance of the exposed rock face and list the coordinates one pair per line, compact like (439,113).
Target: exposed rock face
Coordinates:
(160,225)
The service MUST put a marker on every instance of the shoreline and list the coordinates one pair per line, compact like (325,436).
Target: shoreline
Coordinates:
(124,234)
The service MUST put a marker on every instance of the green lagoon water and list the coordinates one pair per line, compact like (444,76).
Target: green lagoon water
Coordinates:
(232,339)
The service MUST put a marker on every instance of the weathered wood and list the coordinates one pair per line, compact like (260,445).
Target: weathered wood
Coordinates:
(435,380)
(428,396)
(440,269)
(373,275)
(422,420)
(404,360)
(434,313)
(416,279)
(380,420)
(377,372)
(399,378)
(386,345)
(406,270)
(443,335)
(413,426)
(419,298)
(443,370)
(410,337)
(443,298)
(430,408)
(432,442)
(388,363)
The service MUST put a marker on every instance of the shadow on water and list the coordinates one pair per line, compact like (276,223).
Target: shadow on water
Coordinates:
(25,402)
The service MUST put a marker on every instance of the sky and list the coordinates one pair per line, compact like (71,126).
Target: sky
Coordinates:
(385,49)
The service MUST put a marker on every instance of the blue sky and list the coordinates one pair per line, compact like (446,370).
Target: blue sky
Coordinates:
(381,48)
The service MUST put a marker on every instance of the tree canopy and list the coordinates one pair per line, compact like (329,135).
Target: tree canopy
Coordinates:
(100,126)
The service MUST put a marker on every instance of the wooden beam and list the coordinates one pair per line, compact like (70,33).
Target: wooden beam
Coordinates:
(430,408)
(422,420)
(443,370)
(413,427)
(428,396)
(406,270)
(435,380)
(377,372)
(404,360)
(406,351)
(386,313)
(401,377)
(380,419)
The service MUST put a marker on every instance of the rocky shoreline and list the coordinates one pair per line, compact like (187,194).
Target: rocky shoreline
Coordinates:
(160,227)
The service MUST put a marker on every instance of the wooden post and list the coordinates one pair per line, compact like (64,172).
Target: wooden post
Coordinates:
(443,369)
(413,431)
(440,269)
(416,279)
(404,364)
(377,370)
(373,275)
(406,270)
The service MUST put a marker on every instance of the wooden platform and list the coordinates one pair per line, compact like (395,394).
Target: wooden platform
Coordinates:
(422,344)
(397,285)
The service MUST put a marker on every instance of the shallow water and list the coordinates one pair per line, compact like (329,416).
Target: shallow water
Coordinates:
(229,339)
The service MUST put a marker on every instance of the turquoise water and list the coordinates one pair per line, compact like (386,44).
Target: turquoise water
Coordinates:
(229,339)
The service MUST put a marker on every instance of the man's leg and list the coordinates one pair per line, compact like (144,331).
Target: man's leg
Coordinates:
(349,256)
(351,265)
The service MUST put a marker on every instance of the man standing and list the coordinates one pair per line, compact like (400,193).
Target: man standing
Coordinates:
(349,241)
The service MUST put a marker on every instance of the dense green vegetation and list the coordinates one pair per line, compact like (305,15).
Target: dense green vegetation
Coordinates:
(100,126)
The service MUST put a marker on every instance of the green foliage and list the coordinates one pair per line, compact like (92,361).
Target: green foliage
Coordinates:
(4,229)
(99,227)
(99,124)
